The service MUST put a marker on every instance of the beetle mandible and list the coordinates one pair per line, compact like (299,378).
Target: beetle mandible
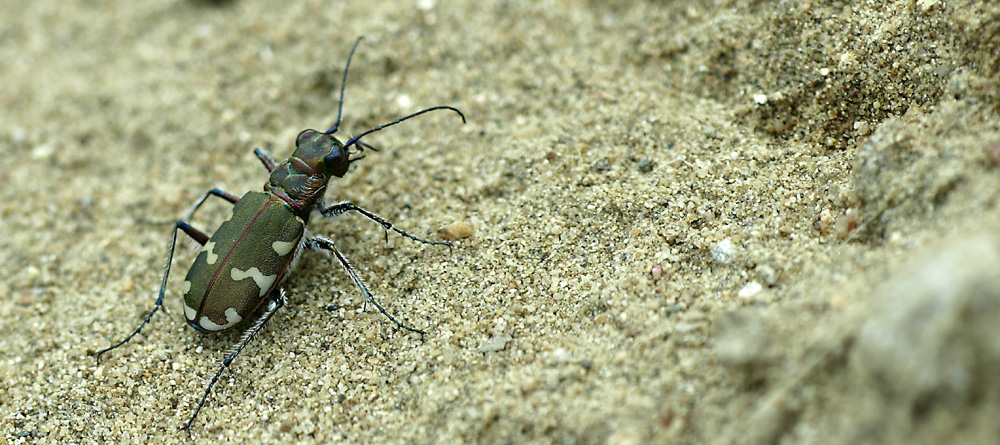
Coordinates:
(243,264)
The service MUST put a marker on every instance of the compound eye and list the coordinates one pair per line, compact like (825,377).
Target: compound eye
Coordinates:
(305,136)
(337,162)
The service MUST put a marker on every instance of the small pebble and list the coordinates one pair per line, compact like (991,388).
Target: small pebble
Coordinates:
(456,231)
(656,271)
(723,251)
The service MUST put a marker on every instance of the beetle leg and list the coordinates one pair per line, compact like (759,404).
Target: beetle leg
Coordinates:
(318,242)
(346,206)
(194,233)
(233,199)
(277,300)
(265,158)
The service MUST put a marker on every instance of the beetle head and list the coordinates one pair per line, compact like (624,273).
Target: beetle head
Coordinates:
(323,153)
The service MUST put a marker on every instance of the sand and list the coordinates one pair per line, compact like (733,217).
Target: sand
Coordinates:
(734,222)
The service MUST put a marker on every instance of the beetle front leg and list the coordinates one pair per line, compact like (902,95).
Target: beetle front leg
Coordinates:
(265,158)
(277,301)
(318,242)
(346,206)
(195,234)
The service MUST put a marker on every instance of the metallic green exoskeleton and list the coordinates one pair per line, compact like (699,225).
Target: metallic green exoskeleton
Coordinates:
(242,262)
(242,265)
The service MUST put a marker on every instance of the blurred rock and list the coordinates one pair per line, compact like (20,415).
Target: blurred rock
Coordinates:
(934,343)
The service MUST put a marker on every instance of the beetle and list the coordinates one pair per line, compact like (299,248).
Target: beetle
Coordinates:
(241,267)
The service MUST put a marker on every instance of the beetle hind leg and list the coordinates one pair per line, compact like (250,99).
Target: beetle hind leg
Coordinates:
(276,300)
(318,242)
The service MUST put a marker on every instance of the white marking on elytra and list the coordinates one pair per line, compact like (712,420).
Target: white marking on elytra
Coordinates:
(189,312)
(282,247)
(211,257)
(187,286)
(263,282)
(232,317)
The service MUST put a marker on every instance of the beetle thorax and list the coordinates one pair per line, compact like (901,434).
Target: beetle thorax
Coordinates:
(298,185)
(301,180)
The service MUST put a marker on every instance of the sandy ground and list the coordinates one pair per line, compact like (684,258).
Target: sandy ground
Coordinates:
(734,222)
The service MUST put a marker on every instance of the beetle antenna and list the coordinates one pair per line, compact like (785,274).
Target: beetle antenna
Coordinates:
(365,145)
(343,83)
(356,139)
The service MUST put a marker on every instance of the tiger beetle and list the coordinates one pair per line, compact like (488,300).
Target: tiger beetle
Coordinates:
(243,264)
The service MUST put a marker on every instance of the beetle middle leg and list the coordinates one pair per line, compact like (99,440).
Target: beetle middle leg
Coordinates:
(195,234)
(318,242)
